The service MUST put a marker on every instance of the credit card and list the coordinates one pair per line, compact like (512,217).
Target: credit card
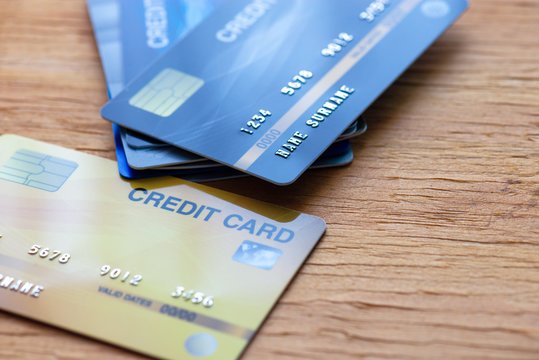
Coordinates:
(265,86)
(165,267)
(131,34)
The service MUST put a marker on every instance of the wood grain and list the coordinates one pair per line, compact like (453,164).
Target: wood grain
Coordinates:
(432,247)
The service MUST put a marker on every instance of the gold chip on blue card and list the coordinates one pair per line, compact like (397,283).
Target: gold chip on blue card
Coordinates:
(164,267)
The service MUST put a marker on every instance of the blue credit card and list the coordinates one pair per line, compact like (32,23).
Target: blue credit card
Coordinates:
(339,154)
(131,34)
(265,86)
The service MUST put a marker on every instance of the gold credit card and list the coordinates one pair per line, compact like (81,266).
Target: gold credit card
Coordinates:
(161,266)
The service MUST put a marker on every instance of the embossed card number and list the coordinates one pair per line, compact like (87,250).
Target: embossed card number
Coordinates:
(116,272)
(46,253)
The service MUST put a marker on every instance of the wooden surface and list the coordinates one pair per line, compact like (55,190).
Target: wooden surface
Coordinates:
(432,247)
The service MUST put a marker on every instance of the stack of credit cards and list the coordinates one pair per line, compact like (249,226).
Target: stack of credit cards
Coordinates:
(162,266)
(131,34)
(261,86)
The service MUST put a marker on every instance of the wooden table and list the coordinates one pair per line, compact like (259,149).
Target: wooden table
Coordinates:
(432,247)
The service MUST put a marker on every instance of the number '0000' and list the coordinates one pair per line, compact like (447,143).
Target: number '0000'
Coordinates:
(268,139)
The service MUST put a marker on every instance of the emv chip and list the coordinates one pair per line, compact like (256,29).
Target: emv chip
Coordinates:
(166,92)
(37,170)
